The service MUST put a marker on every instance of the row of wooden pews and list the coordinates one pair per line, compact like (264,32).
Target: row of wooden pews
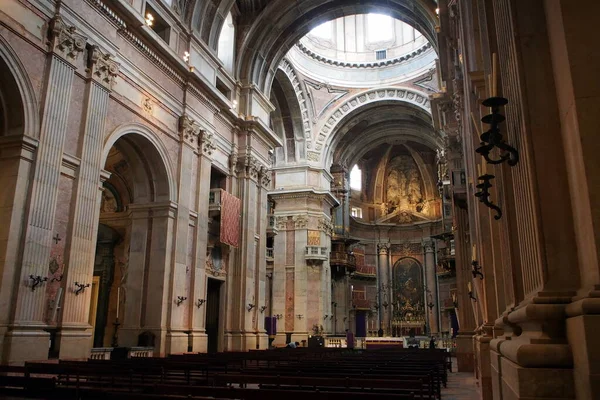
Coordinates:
(291,374)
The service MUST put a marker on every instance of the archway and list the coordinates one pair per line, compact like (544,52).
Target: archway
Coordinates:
(132,253)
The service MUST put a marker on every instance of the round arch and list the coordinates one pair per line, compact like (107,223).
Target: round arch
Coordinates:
(261,49)
(324,146)
(163,170)
(11,66)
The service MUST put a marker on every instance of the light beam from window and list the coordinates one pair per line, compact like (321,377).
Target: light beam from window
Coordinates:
(356,178)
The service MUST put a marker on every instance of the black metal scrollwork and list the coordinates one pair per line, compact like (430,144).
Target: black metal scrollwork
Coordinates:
(493,137)
(81,287)
(36,281)
(476,270)
(484,194)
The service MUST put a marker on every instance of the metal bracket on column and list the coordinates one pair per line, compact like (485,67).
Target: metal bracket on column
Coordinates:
(476,269)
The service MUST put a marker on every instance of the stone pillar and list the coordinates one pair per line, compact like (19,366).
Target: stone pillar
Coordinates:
(431,280)
(383,280)
(27,340)
(75,334)
(16,163)
(177,339)
(260,289)
(198,283)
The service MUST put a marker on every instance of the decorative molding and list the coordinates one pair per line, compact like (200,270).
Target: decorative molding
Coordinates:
(399,94)
(104,9)
(300,221)
(103,67)
(265,177)
(287,68)
(152,56)
(65,40)
(147,105)
(372,64)
(407,249)
(207,143)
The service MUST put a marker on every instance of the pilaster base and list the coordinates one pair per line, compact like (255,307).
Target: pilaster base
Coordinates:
(465,358)
(74,342)
(582,333)
(23,344)
(199,342)
(535,383)
(177,342)
(263,341)
(482,349)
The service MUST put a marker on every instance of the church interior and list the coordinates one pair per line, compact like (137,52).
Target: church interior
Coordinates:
(190,186)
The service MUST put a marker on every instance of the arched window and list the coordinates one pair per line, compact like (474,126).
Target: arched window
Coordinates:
(379,28)
(226,44)
(356,178)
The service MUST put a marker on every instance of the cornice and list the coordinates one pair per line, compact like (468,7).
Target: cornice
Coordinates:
(304,193)
(377,64)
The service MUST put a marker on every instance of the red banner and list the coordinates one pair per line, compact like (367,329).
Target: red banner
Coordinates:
(230,219)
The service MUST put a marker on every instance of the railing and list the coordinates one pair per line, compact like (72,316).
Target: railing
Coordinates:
(337,342)
(141,352)
(101,353)
(366,270)
(214,199)
(316,253)
(269,252)
(343,259)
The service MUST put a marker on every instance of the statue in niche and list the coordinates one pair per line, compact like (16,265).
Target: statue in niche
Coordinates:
(109,202)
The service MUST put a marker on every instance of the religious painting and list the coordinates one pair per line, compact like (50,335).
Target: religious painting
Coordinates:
(408,283)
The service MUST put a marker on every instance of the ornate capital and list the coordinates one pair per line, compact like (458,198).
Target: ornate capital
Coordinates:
(281,222)
(233,160)
(265,176)
(248,167)
(428,246)
(300,221)
(189,130)
(325,226)
(383,248)
(65,40)
(207,143)
(103,67)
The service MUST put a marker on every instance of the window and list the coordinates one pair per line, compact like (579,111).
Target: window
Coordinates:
(381,54)
(379,28)
(323,31)
(225,49)
(356,212)
(356,178)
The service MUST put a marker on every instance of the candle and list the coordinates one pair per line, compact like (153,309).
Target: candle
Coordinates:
(118,300)
(494,75)
(473,253)
(469,286)
(478,170)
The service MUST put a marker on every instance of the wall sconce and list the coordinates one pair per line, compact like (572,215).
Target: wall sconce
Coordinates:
(385,304)
(186,56)
(430,305)
(484,194)
(180,299)
(300,316)
(476,269)
(471,292)
(250,306)
(331,317)
(326,316)
(36,281)
(81,287)
(200,302)
(262,309)
(278,316)
(149,19)
(493,137)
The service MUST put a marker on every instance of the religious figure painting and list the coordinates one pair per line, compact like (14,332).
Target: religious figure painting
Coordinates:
(408,282)
(404,185)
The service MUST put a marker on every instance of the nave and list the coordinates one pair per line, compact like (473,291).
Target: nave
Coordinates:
(294,374)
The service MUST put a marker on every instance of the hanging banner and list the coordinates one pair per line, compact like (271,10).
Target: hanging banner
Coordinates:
(230,219)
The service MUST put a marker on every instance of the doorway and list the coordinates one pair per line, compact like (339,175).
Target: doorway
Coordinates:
(213,304)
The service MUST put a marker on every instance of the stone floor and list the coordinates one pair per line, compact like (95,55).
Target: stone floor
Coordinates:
(461,386)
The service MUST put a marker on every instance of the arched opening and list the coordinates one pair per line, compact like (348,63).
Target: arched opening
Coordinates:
(131,252)
(226,43)
(12,113)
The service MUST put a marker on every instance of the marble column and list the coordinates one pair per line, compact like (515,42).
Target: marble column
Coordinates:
(383,280)
(431,282)
(27,340)
(75,335)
